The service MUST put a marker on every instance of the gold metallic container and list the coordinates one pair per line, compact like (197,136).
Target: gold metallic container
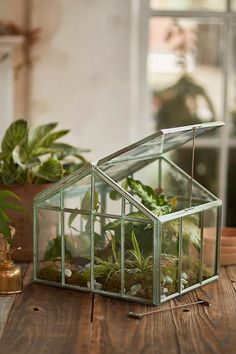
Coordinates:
(11,280)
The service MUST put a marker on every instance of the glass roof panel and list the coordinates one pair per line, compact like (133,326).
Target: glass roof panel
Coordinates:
(137,155)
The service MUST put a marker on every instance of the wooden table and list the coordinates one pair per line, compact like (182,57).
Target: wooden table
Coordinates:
(52,320)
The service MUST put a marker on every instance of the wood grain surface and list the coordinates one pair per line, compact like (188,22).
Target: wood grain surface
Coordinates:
(52,320)
(6,303)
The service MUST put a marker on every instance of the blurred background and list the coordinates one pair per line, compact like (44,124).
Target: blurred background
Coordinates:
(114,71)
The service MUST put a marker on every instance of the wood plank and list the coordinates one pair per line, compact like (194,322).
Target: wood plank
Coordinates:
(6,303)
(114,332)
(208,329)
(48,320)
(52,320)
(199,330)
(231,272)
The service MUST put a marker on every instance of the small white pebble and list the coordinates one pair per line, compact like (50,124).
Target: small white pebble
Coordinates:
(96,285)
(165,291)
(163,297)
(168,279)
(68,273)
(135,289)
(184,275)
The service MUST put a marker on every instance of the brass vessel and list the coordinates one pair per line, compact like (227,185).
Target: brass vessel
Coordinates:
(11,279)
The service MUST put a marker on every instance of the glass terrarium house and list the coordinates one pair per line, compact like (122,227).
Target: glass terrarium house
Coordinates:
(132,225)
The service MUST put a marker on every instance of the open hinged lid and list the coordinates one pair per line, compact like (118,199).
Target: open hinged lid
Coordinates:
(150,148)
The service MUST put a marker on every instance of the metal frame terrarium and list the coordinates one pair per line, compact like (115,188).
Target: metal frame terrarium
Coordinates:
(132,225)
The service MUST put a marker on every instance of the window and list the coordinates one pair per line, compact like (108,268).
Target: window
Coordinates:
(191,74)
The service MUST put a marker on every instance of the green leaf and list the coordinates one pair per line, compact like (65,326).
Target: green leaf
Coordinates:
(5,228)
(51,170)
(11,177)
(50,138)
(69,148)
(113,246)
(190,231)
(4,216)
(72,218)
(11,206)
(5,204)
(16,157)
(86,201)
(157,204)
(14,135)
(114,195)
(6,193)
(44,150)
(113,225)
(72,167)
(21,149)
(37,135)
(136,246)
(146,193)
(64,150)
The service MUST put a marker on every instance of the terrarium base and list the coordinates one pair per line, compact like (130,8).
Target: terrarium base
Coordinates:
(136,283)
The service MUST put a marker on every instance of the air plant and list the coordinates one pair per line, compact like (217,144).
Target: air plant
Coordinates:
(137,261)
(106,268)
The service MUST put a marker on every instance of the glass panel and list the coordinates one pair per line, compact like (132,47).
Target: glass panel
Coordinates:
(53,201)
(124,168)
(139,259)
(77,195)
(149,174)
(48,245)
(185,70)
(231,191)
(176,184)
(191,245)
(182,5)
(107,199)
(169,258)
(77,249)
(209,243)
(204,172)
(107,261)
(154,146)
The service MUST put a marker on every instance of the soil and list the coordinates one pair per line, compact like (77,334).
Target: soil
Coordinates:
(51,271)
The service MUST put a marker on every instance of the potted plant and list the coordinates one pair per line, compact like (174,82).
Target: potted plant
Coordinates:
(30,159)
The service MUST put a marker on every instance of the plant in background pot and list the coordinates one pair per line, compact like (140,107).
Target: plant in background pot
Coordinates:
(30,159)
(10,274)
